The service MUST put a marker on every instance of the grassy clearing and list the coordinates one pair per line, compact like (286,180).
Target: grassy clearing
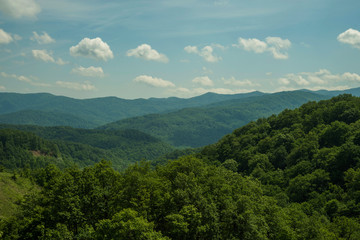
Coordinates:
(12,190)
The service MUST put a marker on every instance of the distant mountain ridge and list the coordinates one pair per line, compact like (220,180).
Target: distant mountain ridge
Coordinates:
(45,118)
(196,127)
(15,107)
(192,122)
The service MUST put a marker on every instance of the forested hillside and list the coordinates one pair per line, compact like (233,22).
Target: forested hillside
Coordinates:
(291,176)
(45,109)
(196,127)
(53,110)
(35,147)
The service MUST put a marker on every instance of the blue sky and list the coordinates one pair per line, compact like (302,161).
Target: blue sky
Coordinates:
(141,49)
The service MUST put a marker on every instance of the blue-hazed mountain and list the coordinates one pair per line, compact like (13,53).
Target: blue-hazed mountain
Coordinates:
(49,110)
(45,118)
(195,127)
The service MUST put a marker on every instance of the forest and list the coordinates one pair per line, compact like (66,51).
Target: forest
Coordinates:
(295,175)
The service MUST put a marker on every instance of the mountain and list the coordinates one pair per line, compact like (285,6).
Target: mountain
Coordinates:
(197,127)
(43,118)
(54,110)
(49,110)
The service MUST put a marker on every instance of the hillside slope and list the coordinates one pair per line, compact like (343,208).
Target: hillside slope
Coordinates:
(13,188)
(197,127)
(308,155)
(34,147)
(43,118)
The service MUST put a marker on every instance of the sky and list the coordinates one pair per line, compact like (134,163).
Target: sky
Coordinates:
(160,48)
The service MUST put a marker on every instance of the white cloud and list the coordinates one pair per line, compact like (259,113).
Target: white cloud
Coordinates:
(153,81)
(275,45)
(284,81)
(191,49)
(43,55)
(219,46)
(61,62)
(20,8)
(46,56)
(2,88)
(238,83)
(253,44)
(92,48)
(85,86)
(145,51)
(206,53)
(351,76)
(204,81)
(30,80)
(5,37)
(42,39)
(299,79)
(322,79)
(89,72)
(350,36)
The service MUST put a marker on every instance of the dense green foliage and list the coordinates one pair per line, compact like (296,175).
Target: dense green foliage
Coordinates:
(185,199)
(310,155)
(197,127)
(26,150)
(56,110)
(65,146)
(291,176)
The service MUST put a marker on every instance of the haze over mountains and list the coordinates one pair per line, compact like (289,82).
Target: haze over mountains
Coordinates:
(192,122)
(54,110)
(96,111)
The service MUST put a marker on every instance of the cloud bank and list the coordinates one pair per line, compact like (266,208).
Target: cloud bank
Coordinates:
(275,45)
(322,79)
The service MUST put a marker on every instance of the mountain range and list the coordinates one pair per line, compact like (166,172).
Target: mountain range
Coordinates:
(183,123)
